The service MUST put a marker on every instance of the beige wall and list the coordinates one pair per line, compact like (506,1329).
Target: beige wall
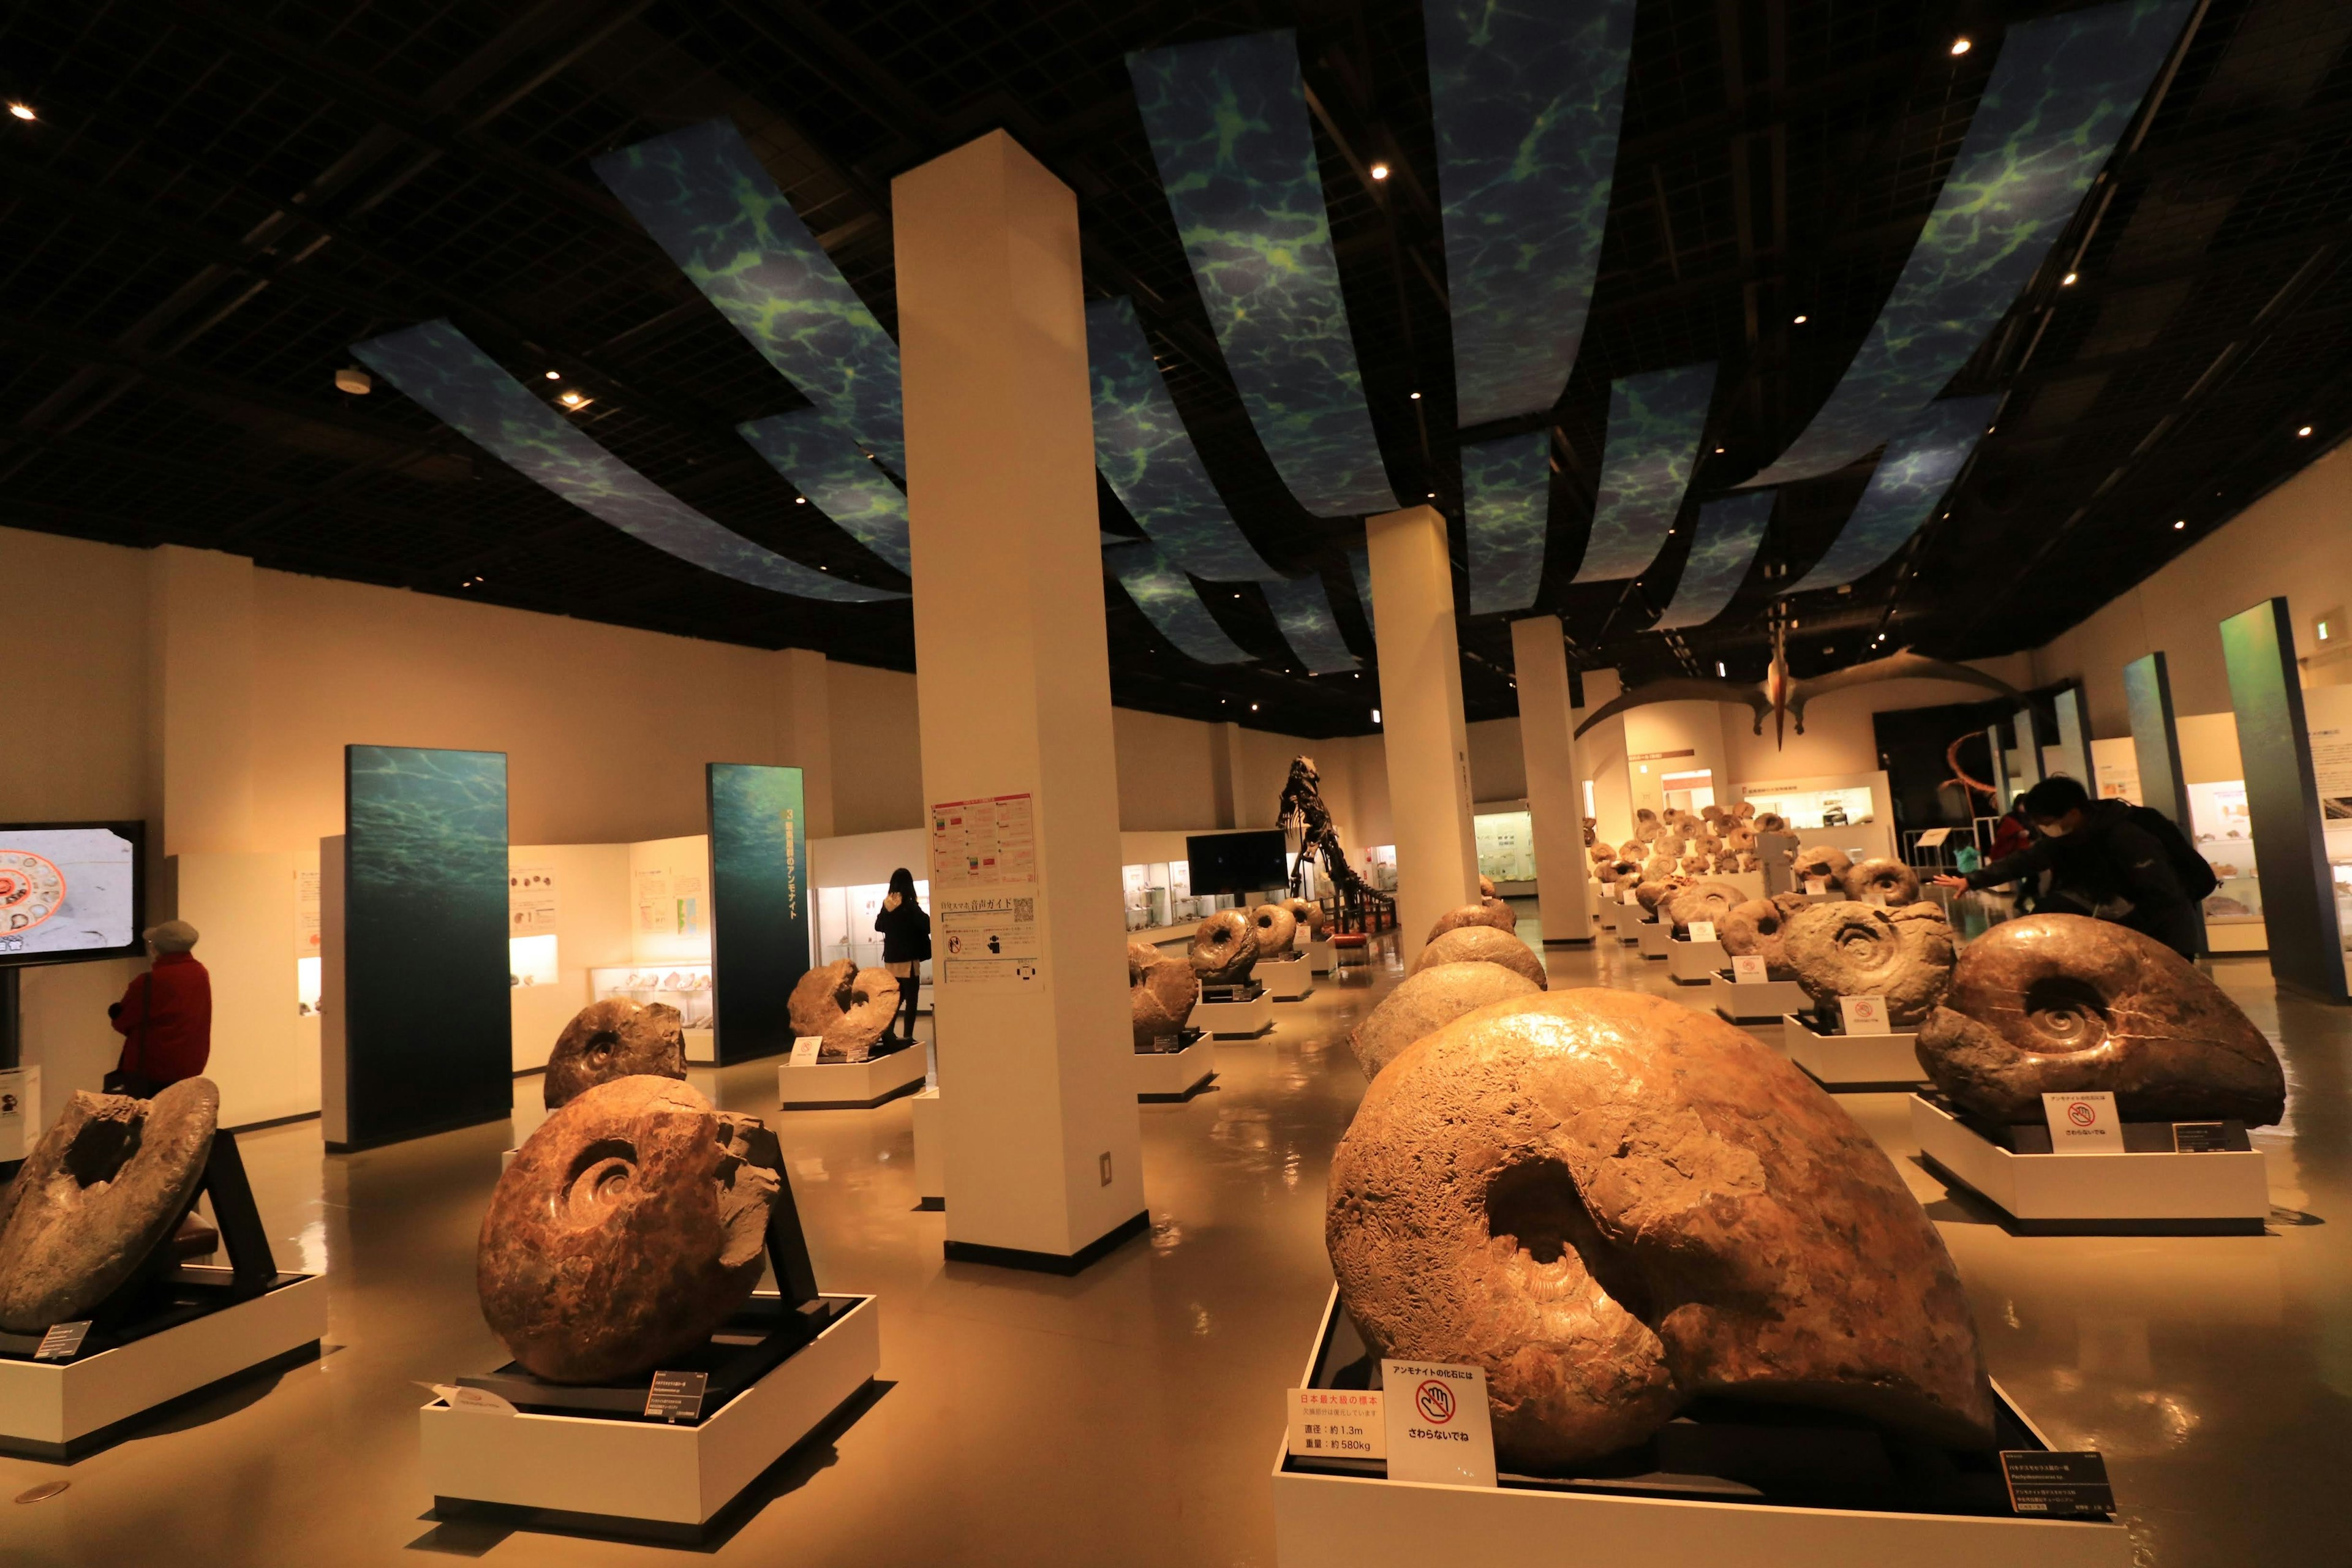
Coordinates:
(877,750)
(1166,777)
(77,714)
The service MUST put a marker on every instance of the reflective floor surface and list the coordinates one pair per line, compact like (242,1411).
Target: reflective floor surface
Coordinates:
(1131,1415)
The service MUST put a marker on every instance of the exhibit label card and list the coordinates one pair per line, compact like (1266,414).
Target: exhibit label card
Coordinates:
(1439,1428)
(62,1342)
(1702,930)
(1337,1423)
(2200,1138)
(1864,1015)
(1625,896)
(1817,884)
(479,1401)
(1747,969)
(805,1050)
(676,1395)
(2056,1486)
(2083,1123)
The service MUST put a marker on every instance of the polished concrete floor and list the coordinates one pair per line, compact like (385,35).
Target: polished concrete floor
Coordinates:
(1131,1415)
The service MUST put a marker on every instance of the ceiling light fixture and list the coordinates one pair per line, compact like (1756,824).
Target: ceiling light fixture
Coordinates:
(555,376)
(1416,397)
(352,379)
(1960,46)
(1252,706)
(1376,715)
(1718,667)
(1718,451)
(573,400)
(23,112)
(2067,281)
(2181,524)
(2305,431)
(1379,170)
(800,500)
(1800,321)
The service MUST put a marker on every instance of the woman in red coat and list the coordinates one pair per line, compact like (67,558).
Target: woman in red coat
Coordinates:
(165,1019)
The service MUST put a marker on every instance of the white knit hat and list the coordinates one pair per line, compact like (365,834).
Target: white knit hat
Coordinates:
(171,936)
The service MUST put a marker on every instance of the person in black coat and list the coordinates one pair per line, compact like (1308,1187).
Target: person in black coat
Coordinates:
(2104,860)
(906,941)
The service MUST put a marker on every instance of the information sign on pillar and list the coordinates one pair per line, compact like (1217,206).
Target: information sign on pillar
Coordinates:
(1555,791)
(1422,722)
(1011,676)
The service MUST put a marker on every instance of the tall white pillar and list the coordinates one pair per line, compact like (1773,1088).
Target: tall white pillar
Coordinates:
(1602,754)
(1012,671)
(1554,793)
(806,699)
(1421,703)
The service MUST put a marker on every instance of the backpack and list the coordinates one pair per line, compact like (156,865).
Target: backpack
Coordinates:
(2196,872)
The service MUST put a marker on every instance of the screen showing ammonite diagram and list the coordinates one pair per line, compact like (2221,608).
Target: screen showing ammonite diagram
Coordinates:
(63,890)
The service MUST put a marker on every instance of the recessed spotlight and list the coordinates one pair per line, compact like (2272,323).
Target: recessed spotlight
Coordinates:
(1379,170)
(555,376)
(1960,46)
(23,112)
(353,379)
(1432,495)
(1718,451)
(1416,397)
(1252,706)
(2305,431)
(800,500)
(1376,715)
(2181,524)
(1800,321)
(573,400)
(2067,281)
(1718,667)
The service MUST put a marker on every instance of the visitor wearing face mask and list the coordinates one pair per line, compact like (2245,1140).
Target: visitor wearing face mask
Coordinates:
(2108,860)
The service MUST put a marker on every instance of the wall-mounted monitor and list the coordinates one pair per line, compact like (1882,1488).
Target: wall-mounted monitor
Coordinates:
(71,891)
(1230,863)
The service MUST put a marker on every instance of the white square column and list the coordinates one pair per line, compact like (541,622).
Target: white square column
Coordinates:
(1555,795)
(1012,670)
(1420,718)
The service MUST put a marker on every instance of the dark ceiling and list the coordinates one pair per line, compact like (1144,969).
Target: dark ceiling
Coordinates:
(218,197)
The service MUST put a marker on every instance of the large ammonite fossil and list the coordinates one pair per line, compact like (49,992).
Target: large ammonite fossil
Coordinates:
(1275,925)
(1616,1204)
(630,1226)
(819,995)
(1225,950)
(1481,943)
(1651,891)
(1892,882)
(1621,870)
(32,889)
(1845,949)
(1769,821)
(1427,1001)
(1309,916)
(97,1194)
(867,1015)
(614,1038)
(1494,912)
(2059,1004)
(1700,901)
(1752,929)
(1160,993)
(1821,860)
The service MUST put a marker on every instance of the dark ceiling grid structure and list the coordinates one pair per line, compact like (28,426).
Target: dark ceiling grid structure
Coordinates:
(219,198)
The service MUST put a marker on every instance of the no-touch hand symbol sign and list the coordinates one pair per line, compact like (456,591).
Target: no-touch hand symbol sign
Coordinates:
(1435,1402)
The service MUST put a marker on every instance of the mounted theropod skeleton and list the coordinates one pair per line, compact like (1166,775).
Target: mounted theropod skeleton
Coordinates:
(1302,809)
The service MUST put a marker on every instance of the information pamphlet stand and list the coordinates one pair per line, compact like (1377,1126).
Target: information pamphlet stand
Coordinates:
(2152,1188)
(1852,1063)
(170,1338)
(1692,963)
(850,1085)
(1246,1015)
(1188,1061)
(1951,1512)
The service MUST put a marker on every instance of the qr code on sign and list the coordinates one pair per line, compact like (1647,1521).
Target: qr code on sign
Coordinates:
(1023,911)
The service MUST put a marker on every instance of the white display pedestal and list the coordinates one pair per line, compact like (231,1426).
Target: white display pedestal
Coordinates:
(1286,979)
(1694,963)
(1174,1074)
(1318,956)
(701,1047)
(634,1474)
(56,1410)
(1854,1063)
(1764,1002)
(1652,936)
(1235,1020)
(850,1085)
(1630,921)
(1359,1521)
(2226,1193)
(1605,908)
(930,1149)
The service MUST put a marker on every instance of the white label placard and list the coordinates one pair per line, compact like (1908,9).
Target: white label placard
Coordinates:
(479,1401)
(804,1049)
(1934,837)
(2083,1123)
(1439,1428)
(1625,895)
(1747,969)
(1864,1015)
(1702,930)
(1337,1423)
(1817,884)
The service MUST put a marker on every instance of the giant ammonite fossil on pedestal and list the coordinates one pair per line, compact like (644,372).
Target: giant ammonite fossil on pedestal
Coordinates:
(32,889)
(867,1015)
(1711,901)
(1160,992)
(615,1038)
(817,996)
(1225,950)
(1494,912)
(95,1197)
(1616,1204)
(1427,1001)
(1309,915)
(1753,929)
(630,1226)
(1482,944)
(1845,949)
(1823,862)
(1275,926)
(1891,882)
(2063,1004)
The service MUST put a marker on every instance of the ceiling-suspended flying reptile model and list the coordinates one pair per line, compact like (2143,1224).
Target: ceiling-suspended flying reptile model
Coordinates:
(1784,697)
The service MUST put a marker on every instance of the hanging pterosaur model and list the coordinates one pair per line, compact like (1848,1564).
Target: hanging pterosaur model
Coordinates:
(1784,697)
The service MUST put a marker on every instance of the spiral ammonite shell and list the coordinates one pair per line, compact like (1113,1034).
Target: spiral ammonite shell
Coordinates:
(32,889)
(1892,882)
(1846,949)
(1225,950)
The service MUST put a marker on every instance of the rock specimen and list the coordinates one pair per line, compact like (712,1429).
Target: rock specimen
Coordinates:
(1821,860)
(1892,882)
(1427,1001)
(2060,1004)
(1845,949)
(615,1038)
(1752,929)
(1275,926)
(630,1226)
(1225,950)
(1472,945)
(816,999)
(1616,1204)
(867,1015)
(1495,913)
(1160,992)
(104,1186)
(1700,901)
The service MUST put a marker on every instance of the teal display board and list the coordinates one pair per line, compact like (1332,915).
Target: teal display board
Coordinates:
(427,1032)
(2283,802)
(2155,745)
(759,905)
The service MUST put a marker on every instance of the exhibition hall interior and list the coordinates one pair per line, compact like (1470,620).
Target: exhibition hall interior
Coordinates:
(1314,784)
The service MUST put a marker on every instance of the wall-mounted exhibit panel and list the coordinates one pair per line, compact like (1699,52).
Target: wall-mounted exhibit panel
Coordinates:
(760,903)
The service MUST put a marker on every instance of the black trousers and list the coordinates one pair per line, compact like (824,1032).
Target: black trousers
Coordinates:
(910,989)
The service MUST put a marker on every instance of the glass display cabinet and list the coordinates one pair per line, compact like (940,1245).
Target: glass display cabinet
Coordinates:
(684,986)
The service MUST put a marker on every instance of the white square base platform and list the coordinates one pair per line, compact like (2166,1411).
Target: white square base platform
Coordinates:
(1630,921)
(56,1410)
(701,1047)
(1235,1020)
(1766,1001)
(1173,1075)
(1318,955)
(1694,963)
(1654,937)
(851,1086)
(1857,1064)
(2224,1193)
(930,1149)
(1286,979)
(1329,1520)
(1605,907)
(624,1473)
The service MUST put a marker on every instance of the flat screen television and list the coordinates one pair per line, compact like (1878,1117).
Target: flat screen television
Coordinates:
(71,891)
(1247,862)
